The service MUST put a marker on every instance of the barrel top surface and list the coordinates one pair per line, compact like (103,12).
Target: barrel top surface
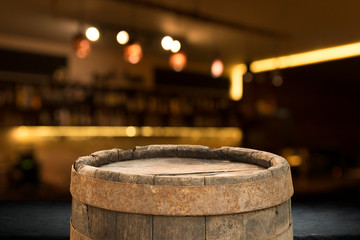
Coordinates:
(181,180)
(182,167)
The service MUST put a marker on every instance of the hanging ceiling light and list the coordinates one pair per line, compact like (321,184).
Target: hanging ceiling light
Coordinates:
(166,42)
(133,53)
(217,68)
(178,61)
(81,46)
(92,33)
(175,46)
(306,58)
(122,37)
(236,81)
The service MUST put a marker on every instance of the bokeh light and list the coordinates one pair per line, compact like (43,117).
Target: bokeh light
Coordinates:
(81,46)
(92,33)
(236,81)
(217,68)
(131,131)
(277,80)
(178,61)
(133,53)
(122,37)
(175,46)
(166,42)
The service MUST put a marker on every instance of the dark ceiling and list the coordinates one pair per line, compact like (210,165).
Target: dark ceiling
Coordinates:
(237,30)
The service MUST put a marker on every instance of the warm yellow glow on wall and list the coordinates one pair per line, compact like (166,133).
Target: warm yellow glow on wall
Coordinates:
(236,81)
(33,133)
(305,58)
(294,160)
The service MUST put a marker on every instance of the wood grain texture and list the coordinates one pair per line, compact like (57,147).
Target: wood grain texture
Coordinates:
(133,226)
(105,156)
(181,192)
(225,227)
(79,217)
(179,180)
(178,228)
(97,223)
(272,223)
(283,217)
(180,200)
(267,223)
(102,223)
(76,235)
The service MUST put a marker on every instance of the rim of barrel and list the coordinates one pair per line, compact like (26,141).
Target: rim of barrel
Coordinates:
(273,164)
(143,194)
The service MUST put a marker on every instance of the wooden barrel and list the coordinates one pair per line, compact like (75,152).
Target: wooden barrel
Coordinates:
(181,192)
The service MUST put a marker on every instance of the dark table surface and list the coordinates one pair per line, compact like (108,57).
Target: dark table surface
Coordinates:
(321,218)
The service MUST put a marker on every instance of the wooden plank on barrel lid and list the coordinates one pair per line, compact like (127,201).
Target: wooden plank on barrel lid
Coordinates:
(177,171)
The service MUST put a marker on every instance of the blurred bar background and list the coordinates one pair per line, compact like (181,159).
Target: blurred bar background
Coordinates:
(64,94)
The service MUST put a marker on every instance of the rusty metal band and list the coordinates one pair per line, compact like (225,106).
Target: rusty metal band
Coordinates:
(75,235)
(181,200)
